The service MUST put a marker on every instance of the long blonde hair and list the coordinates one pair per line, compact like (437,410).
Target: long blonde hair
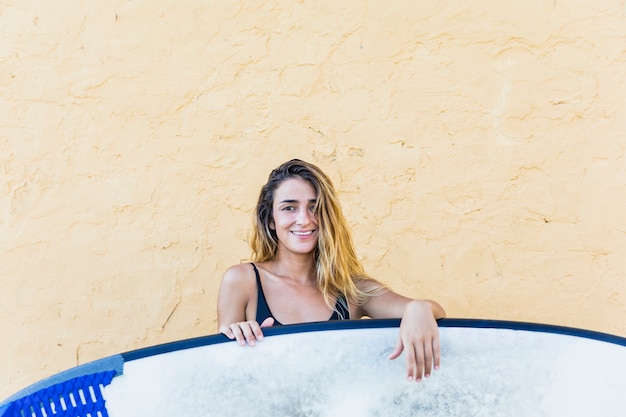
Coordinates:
(337,266)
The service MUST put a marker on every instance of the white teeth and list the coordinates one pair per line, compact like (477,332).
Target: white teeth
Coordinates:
(303,233)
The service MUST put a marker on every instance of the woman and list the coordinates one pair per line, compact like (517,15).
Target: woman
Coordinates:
(305,269)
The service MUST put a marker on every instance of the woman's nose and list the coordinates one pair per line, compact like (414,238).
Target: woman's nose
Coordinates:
(304,217)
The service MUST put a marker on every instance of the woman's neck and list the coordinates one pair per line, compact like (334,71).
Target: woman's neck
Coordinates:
(299,269)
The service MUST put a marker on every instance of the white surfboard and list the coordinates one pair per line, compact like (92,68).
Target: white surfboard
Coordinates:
(488,368)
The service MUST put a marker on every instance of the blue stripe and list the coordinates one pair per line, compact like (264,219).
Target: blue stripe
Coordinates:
(374,324)
(534,327)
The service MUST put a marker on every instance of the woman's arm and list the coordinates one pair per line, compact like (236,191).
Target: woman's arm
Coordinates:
(419,333)
(235,318)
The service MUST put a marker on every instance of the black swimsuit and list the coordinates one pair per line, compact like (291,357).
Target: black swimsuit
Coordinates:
(263,311)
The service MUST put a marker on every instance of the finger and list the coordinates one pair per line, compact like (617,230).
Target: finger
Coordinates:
(419,360)
(227,332)
(410,364)
(428,358)
(238,334)
(398,349)
(437,352)
(268,322)
(248,332)
(256,331)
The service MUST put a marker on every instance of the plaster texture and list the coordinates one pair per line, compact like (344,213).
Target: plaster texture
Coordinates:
(478,148)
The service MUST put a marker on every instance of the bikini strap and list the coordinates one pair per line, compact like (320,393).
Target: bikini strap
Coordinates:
(256,272)
(262,309)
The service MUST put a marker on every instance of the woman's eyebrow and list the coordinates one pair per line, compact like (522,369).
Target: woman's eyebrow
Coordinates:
(291,201)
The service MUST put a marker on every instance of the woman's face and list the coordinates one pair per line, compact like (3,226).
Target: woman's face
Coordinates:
(294,217)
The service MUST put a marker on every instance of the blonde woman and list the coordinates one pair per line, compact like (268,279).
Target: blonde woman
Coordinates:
(305,269)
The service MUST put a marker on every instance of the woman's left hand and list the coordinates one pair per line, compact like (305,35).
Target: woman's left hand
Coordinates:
(419,338)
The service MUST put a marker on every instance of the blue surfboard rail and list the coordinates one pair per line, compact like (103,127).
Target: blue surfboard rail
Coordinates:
(534,327)
(77,391)
(375,324)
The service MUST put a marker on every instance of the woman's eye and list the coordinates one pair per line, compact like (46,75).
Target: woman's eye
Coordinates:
(287,208)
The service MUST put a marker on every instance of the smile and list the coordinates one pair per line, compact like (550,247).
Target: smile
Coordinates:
(308,233)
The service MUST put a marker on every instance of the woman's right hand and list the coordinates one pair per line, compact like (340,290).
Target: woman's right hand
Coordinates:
(246,331)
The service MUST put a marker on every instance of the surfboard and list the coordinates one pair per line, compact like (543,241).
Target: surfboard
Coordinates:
(342,368)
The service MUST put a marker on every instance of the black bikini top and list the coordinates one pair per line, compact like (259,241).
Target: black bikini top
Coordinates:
(263,311)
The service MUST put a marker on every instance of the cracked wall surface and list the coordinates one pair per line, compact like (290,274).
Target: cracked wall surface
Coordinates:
(478,149)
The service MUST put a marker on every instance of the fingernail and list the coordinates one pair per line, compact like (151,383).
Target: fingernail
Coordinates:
(427,376)
(410,378)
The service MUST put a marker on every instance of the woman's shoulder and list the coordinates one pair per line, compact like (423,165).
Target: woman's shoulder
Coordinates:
(368,284)
(239,274)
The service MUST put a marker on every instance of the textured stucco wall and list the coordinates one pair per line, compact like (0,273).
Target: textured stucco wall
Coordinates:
(478,147)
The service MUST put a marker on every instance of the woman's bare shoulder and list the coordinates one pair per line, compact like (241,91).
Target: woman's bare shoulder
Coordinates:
(239,274)
(370,285)
(238,281)
(236,299)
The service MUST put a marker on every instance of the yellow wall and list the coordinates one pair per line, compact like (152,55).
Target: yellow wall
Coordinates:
(478,149)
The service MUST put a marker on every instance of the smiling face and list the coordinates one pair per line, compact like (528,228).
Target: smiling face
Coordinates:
(293,216)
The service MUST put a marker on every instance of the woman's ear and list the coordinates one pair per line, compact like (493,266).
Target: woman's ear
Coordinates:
(272,225)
